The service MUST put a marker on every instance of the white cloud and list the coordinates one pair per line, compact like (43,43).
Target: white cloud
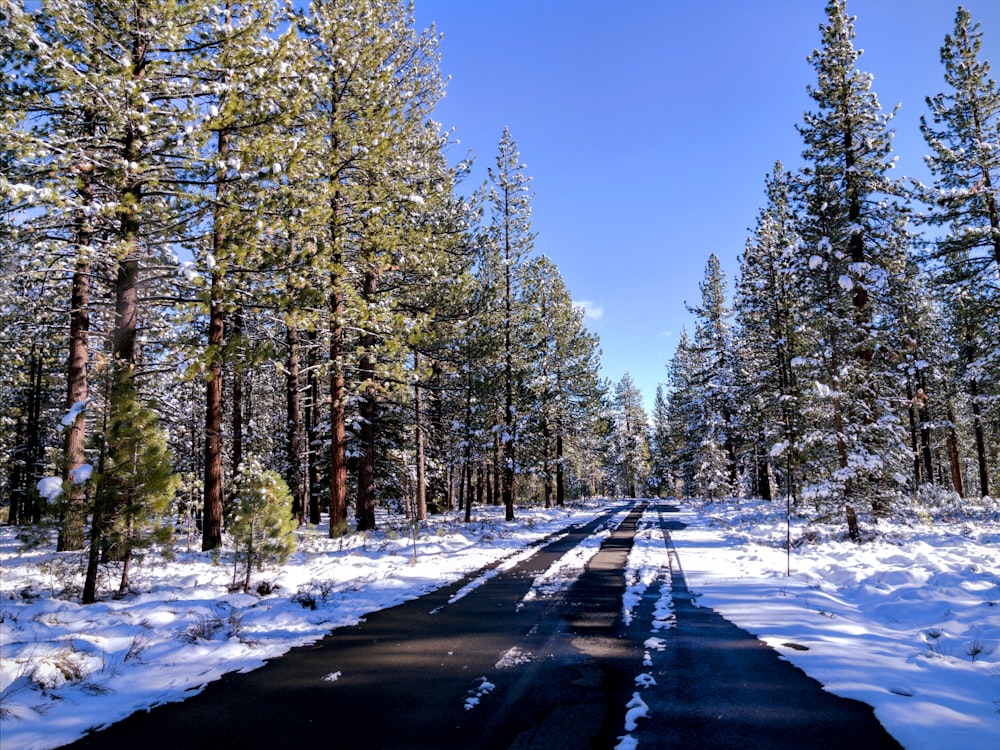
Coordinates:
(591,310)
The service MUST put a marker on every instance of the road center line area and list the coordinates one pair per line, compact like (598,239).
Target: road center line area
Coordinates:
(492,667)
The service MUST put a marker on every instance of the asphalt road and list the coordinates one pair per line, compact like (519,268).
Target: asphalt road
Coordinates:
(491,671)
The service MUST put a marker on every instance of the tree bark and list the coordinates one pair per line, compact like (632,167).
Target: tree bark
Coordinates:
(418,426)
(338,395)
(365,511)
(71,532)
(238,407)
(954,459)
(213,478)
(980,435)
(560,471)
(914,434)
(294,435)
(312,433)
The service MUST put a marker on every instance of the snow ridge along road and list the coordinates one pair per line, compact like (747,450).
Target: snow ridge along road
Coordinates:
(531,653)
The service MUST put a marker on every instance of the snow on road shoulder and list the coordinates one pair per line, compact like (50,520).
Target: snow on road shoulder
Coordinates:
(908,623)
(68,667)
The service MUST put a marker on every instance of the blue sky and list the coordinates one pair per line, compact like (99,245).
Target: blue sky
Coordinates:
(648,127)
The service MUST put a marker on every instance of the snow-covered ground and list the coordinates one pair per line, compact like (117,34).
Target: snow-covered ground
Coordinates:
(66,667)
(909,623)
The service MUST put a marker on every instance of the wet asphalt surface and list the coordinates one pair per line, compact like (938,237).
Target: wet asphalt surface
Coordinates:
(490,671)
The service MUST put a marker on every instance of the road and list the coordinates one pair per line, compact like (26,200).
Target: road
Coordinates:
(493,671)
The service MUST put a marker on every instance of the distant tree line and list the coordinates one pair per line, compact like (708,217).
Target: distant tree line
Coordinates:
(859,361)
(231,235)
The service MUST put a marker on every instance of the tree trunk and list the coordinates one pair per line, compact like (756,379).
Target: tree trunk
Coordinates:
(338,396)
(546,462)
(507,489)
(923,415)
(369,414)
(914,434)
(438,483)
(954,459)
(71,532)
(421,488)
(238,374)
(213,490)
(294,435)
(560,471)
(312,431)
(978,430)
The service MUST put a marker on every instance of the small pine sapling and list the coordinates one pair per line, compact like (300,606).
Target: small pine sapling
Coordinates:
(259,519)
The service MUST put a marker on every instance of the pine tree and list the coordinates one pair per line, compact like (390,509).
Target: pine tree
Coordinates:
(854,241)
(561,375)
(715,432)
(259,519)
(134,486)
(662,475)
(243,68)
(767,308)
(511,241)
(964,137)
(629,467)
(683,412)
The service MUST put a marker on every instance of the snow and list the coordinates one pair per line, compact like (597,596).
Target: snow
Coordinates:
(81,474)
(68,667)
(74,412)
(50,488)
(908,622)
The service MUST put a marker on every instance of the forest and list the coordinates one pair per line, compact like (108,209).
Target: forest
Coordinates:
(234,247)
(247,287)
(856,369)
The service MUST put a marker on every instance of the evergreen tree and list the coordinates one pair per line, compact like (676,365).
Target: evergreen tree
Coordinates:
(853,242)
(134,486)
(243,87)
(767,307)
(662,476)
(683,413)
(259,521)
(511,240)
(964,138)
(629,450)
(716,472)
(562,380)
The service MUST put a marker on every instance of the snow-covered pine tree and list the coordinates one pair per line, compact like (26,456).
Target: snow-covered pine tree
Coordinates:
(134,485)
(258,519)
(662,477)
(853,240)
(107,115)
(766,308)
(964,138)
(715,431)
(244,68)
(629,440)
(440,297)
(562,376)
(511,240)
(684,409)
